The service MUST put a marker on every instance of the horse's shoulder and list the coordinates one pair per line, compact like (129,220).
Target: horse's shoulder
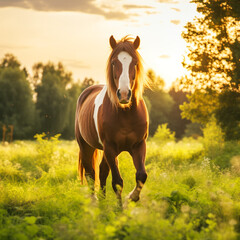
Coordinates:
(142,107)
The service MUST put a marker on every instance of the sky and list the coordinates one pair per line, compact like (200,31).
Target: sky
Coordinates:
(76,33)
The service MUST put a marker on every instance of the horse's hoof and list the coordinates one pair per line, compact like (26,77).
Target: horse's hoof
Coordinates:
(129,199)
(133,196)
(94,197)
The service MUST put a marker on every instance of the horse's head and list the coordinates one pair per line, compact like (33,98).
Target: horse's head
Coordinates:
(124,67)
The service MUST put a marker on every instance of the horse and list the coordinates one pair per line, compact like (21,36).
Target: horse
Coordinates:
(113,118)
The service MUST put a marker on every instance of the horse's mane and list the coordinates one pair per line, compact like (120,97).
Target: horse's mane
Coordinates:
(126,44)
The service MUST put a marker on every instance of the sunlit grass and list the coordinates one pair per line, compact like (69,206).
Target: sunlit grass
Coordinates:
(187,194)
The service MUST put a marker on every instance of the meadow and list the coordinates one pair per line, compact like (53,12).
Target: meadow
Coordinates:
(192,192)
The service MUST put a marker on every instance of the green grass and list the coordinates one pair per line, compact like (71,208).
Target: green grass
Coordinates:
(189,194)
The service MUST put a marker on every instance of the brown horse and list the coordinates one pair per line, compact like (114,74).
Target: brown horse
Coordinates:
(114,118)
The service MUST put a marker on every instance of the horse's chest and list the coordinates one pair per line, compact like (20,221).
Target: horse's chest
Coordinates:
(124,128)
(126,133)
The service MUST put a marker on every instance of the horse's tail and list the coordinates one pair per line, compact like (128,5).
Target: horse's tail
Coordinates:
(80,168)
(96,160)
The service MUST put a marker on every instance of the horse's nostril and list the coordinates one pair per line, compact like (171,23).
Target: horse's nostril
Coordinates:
(118,94)
(129,94)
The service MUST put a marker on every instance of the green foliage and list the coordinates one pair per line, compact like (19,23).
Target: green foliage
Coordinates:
(193,130)
(185,197)
(155,82)
(213,46)
(219,152)
(52,98)
(16,103)
(9,60)
(228,152)
(46,148)
(170,153)
(175,121)
(73,94)
(56,98)
(163,134)
(200,106)
(213,139)
(228,114)
(213,60)
(161,102)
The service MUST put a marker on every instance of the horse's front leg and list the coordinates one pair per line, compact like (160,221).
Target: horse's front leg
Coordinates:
(104,171)
(110,154)
(138,153)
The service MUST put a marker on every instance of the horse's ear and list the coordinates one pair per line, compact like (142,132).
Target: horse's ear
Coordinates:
(136,42)
(112,42)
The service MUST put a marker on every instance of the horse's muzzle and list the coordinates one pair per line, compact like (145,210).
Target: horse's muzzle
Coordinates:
(124,96)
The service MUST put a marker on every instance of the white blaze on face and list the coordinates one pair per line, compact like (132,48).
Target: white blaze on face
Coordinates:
(124,81)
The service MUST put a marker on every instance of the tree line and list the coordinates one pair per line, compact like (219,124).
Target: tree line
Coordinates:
(213,61)
(46,101)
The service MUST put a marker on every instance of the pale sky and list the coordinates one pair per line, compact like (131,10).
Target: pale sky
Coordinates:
(76,32)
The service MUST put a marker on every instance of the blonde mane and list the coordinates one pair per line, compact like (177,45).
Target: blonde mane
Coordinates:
(126,44)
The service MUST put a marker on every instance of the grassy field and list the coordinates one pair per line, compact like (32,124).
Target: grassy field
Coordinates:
(192,192)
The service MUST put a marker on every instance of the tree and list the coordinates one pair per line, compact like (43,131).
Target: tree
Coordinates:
(160,102)
(213,58)
(87,82)
(176,122)
(16,102)
(228,115)
(52,104)
(201,106)
(213,45)
(9,61)
(56,98)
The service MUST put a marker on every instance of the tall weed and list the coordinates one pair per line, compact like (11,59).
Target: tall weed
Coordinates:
(216,149)
(163,135)
(213,139)
(46,148)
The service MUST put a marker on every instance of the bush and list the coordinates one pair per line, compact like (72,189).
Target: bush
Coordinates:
(46,148)
(219,152)
(213,139)
(163,135)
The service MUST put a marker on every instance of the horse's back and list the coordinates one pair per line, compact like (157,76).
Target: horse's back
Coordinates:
(87,93)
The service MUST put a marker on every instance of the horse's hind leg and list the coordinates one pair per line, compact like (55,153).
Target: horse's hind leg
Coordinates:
(86,156)
(104,171)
